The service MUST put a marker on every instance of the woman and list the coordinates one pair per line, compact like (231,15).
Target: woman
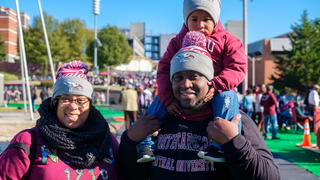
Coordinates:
(71,138)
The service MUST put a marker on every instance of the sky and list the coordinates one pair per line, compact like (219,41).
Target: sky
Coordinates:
(266,18)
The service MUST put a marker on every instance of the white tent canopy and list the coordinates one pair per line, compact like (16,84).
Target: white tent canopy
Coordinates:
(136,64)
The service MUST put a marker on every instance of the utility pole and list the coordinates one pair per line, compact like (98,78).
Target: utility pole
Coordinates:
(245,43)
(253,71)
(96,11)
(23,58)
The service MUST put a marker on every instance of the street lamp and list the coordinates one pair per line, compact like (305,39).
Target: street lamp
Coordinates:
(23,58)
(245,43)
(96,11)
(253,60)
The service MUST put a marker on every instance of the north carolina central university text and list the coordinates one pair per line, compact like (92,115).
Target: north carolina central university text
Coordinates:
(186,142)
(196,165)
(182,141)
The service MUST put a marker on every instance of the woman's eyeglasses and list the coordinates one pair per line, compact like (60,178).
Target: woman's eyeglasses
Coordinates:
(81,102)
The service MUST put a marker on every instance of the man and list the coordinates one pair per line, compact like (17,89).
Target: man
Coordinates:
(129,101)
(181,137)
(259,108)
(313,99)
(269,103)
(44,94)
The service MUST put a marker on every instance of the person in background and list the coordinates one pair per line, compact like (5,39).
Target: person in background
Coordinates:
(33,97)
(148,95)
(129,101)
(143,99)
(259,108)
(17,95)
(9,95)
(286,103)
(247,103)
(298,117)
(270,104)
(71,139)
(103,97)
(313,99)
(44,94)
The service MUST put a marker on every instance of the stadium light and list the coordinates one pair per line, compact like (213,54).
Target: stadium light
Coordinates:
(96,11)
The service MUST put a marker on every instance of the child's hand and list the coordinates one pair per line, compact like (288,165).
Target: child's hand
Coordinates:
(174,108)
(210,93)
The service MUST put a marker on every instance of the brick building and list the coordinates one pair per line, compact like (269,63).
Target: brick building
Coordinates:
(263,53)
(9,31)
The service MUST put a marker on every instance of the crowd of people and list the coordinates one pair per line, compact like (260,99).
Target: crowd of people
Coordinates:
(12,95)
(281,111)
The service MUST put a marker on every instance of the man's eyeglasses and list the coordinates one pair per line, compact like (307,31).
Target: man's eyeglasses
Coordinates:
(81,102)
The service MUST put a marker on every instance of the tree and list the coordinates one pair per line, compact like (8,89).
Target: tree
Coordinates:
(36,51)
(300,67)
(115,49)
(77,36)
(2,50)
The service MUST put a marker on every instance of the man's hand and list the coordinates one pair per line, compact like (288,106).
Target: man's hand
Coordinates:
(222,131)
(143,127)
(210,93)
(174,108)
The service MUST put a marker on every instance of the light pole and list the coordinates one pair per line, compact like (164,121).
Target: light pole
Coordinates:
(253,71)
(253,67)
(23,58)
(96,11)
(245,43)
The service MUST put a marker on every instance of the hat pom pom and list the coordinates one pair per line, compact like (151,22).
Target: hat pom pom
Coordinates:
(194,38)
(76,64)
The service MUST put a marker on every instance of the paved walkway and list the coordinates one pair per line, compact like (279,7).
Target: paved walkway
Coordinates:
(19,121)
(290,171)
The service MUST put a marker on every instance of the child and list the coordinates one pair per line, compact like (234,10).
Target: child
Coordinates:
(226,52)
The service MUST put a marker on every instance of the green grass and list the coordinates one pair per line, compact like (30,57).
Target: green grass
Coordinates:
(287,148)
(109,113)
(14,107)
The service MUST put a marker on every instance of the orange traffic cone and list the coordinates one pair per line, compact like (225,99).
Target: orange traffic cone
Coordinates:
(306,141)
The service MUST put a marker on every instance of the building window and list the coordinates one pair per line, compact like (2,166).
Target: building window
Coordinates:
(155,40)
(155,48)
(155,56)
(147,40)
(148,54)
(4,12)
(147,47)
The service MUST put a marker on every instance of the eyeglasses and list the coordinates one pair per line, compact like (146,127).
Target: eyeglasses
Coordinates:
(81,102)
